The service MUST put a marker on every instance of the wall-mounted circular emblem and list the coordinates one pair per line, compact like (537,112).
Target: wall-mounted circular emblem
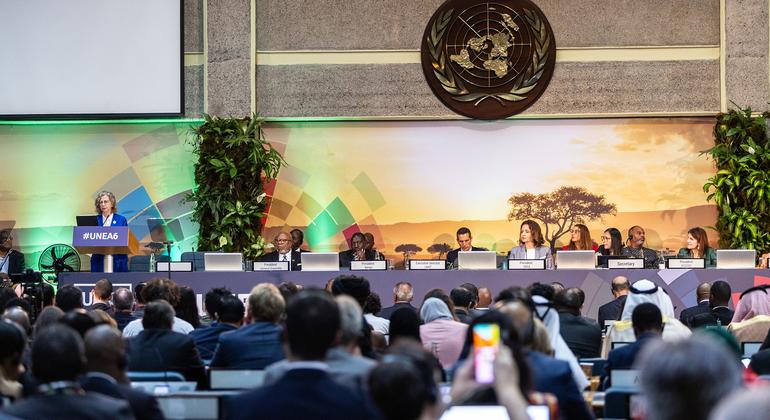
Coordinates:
(488,59)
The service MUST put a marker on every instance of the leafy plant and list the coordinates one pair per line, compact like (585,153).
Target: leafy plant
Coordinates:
(741,186)
(234,163)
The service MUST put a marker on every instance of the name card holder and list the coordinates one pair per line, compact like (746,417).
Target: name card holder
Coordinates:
(685,263)
(271,266)
(626,263)
(515,264)
(427,264)
(377,265)
(176,266)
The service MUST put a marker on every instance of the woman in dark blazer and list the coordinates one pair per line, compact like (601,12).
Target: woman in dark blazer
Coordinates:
(106,209)
(698,247)
(531,245)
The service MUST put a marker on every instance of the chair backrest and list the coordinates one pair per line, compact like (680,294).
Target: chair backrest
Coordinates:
(597,365)
(236,378)
(157,376)
(141,263)
(617,402)
(196,258)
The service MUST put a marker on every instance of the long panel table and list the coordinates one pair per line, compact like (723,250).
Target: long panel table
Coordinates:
(680,284)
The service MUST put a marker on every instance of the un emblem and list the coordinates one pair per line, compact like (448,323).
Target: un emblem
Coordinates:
(488,60)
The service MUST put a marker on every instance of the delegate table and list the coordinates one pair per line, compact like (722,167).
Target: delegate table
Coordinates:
(679,283)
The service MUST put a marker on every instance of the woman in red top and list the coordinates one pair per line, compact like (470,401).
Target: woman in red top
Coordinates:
(580,239)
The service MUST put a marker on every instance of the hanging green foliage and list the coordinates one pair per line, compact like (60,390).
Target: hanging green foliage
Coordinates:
(234,163)
(741,186)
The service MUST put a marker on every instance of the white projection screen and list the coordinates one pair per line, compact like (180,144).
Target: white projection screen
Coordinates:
(91,58)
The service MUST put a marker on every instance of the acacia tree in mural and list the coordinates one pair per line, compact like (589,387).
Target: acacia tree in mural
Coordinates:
(558,210)
(439,249)
(408,250)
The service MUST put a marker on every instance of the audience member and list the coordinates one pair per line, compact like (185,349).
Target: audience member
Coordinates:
(20,303)
(611,311)
(403,293)
(462,299)
(751,319)
(229,317)
(159,289)
(648,327)
(106,372)
(583,337)
(749,404)
(686,379)
(557,287)
(541,341)
(702,293)
(288,290)
(474,301)
(441,295)
(485,298)
(158,348)
(258,344)
(123,300)
(312,324)
(11,369)
(69,297)
(644,291)
(19,317)
(211,302)
(719,313)
(101,295)
(6,294)
(139,301)
(371,308)
(404,323)
(79,320)
(541,289)
(187,307)
(48,316)
(441,334)
(58,358)
(358,288)
(760,361)
(100,317)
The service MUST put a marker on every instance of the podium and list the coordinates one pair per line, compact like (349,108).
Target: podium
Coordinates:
(104,240)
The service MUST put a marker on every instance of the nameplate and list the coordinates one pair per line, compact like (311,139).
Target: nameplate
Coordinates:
(526,264)
(626,263)
(685,263)
(271,266)
(162,266)
(368,265)
(427,264)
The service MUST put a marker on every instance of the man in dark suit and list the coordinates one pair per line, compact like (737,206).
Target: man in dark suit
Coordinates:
(702,292)
(258,344)
(357,251)
(464,239)
(228,317)
(58,358)
(611,311)
(583,337)
(157,348)
(11,261)
(720,314)
(370,246)
(297,239)
(312,324)
(283,252)
(647,322)
(463,300)
(106,372)
(123,301)
(403,293)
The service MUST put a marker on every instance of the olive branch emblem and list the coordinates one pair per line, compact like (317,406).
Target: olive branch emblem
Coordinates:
(523,83)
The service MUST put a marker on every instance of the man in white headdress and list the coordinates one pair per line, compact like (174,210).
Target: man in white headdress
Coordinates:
(644,291)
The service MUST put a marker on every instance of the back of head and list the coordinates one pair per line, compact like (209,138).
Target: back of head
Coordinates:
(720,293)
(403,292)
(48,316)
(541,289)
(187,307)
(312,322)
(351,319)
(69,297)
(522,316)
(103,289)
(748,404)
(123,299)
(434,309)
(138,293)
(104,348)
(354,286)
(620,284)
(57,354)
(686,378)
(403,384)
(158,315)
(19,317)
(266,303)
(568,300)
(13,341)
(230,309)
(161,289)
(6,294)
(213,298)
(647,318)
(404,323)
(79,320)
(441,295)
(461,297)
(703,291)
(372,304)
(474,291)
(288,290)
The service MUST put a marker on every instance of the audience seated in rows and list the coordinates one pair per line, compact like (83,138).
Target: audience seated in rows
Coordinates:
(228,317)
(403,293)
(159,289)
(157,348)
(647,322)
(612,310)
(257,344)
(702,292)
(751,319)
(582,335)
(440,333)
(123,301)
(718,313)
(306,390)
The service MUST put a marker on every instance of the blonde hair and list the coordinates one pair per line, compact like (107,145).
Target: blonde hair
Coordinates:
(266,303)
(541,341)
(109,195)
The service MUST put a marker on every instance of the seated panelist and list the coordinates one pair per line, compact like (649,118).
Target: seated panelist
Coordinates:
(698,247)
(636,249)
(580,239)
(107,216)
(464,239)
(357,251)
(297,239)
(531,245)
(284,252)
(11,261)
(612,243)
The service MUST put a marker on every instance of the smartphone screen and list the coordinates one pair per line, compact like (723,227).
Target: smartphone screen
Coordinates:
(486,341)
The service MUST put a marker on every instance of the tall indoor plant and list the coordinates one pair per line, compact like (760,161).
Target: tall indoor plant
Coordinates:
(234,163)
(741,186)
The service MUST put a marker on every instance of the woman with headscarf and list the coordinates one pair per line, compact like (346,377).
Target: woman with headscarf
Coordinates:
(550,318)
(640,292)
(752,315)
(440,333)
